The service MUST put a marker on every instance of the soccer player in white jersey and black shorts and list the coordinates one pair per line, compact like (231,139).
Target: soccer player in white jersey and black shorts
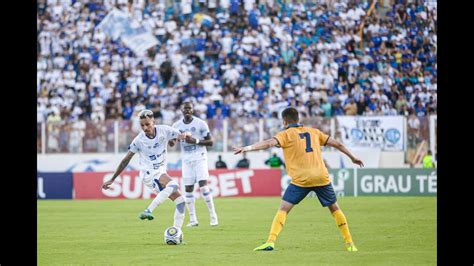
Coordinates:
(194,157)
(151,144)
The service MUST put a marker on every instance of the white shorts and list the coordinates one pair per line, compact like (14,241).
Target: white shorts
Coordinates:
(151,178)
(194,172)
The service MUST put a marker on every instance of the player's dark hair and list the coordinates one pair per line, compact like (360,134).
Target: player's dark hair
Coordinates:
(290,115)
(184,103)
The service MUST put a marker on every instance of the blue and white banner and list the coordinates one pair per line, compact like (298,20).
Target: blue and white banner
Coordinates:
(117,24)
(381,132)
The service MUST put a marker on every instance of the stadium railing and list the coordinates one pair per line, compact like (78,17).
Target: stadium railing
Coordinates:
(114,136)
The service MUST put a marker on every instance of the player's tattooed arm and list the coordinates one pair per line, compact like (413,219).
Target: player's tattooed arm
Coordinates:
(263,145)
(125,161)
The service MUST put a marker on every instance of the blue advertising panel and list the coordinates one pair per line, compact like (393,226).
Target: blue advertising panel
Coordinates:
(54,185)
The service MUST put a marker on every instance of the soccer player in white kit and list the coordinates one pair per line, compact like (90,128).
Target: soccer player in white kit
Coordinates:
(151,144)
(194,157)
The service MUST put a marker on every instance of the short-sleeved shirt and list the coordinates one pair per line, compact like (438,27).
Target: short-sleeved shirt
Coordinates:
(199,130)
(302,152)
(153,151)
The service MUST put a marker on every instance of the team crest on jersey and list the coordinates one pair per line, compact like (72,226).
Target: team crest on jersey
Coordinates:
(193,129)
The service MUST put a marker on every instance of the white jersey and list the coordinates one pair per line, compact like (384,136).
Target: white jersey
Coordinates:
(199,130)
(153,151)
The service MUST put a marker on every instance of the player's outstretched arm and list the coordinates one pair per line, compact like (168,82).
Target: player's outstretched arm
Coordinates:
(263,145)
(338,145)
(119,170)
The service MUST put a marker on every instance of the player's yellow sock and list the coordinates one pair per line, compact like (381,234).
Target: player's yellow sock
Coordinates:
(277,225)
(341,223)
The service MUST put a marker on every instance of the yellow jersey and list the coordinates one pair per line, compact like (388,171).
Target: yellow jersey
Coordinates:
(302,152)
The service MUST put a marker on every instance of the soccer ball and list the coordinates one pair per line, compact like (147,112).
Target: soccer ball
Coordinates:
(173,236)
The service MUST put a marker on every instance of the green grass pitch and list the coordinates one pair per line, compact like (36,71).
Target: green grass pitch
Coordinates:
(386,230)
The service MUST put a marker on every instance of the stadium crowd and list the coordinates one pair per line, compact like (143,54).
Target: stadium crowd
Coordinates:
(236,58)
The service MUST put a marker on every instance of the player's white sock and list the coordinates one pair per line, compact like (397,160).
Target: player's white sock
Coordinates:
(190,203)
(170,188)
(179,212)
(206,194)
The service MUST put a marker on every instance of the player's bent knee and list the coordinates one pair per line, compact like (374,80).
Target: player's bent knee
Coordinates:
(172,184)
(286,206)
(174,196)
(164,179)
(333,207)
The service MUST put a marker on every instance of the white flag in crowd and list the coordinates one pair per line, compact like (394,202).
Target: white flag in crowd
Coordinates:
(117,24)
(381,132)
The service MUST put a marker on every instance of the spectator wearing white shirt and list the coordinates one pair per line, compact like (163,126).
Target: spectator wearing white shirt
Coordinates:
(231,76)
(209,84)
(312,80)
(249,40)
(224,4)
(275,74)
(98,108)
(248,5)
(186,8)
(327,79)
(304,66)
(266,23)
(226,43)
(170,26)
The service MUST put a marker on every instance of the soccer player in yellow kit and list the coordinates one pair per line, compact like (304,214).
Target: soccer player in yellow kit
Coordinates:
(304,164)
